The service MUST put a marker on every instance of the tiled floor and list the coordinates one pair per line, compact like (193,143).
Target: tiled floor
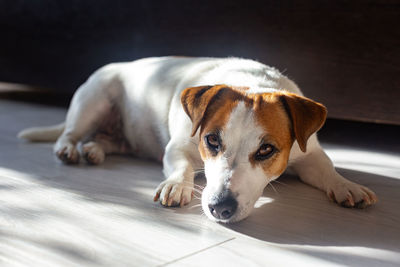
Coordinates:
(57,215)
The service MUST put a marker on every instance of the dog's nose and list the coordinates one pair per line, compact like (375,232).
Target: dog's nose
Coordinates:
(224,209)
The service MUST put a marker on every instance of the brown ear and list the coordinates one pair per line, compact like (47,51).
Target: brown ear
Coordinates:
(195,101)
(306,115)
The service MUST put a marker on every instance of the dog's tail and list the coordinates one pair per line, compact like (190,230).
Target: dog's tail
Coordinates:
(42,134)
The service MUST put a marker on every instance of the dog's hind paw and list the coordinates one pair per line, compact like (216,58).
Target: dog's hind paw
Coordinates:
(93,153)
(172,193)
(68,154)
(351,195)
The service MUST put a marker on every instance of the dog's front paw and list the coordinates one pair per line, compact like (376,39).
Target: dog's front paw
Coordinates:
(351,195)
(172,193)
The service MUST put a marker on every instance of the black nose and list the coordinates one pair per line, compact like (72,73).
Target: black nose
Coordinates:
(224,208)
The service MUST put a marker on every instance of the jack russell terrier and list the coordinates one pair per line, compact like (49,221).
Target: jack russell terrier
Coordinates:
(243,122)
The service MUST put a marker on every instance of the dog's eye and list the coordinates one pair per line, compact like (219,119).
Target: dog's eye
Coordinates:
(265,151)
(213,143)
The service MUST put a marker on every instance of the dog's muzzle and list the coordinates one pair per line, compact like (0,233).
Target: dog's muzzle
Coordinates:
(223,206)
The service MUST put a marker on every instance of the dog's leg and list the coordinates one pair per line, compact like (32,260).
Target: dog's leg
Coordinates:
(178,187)
(95,151)
(315,168)
(90,104)
(82,118)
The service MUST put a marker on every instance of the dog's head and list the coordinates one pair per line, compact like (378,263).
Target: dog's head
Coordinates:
(245,142)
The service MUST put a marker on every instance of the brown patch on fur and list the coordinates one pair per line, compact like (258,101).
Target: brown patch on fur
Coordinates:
(270,115)
(195,101)
(286,117)
(200,103)
(215,120)
(306,115)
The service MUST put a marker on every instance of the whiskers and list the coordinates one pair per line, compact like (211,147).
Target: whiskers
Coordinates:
(197,189)
(195,207)
(279,182)
(273,188)
(197,192)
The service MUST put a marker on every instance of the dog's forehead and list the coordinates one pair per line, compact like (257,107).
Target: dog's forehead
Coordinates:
(242,128)
(248,117)
(255,117)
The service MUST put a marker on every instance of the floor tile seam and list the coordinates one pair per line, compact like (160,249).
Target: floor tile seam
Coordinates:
(197,252)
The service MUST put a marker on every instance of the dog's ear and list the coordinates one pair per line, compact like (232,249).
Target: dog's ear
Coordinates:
(306,116)
(195,101)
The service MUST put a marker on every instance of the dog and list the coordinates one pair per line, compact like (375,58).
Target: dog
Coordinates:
(242,122)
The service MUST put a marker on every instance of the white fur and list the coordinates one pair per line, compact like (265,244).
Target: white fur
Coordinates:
(147,93)
(50,133)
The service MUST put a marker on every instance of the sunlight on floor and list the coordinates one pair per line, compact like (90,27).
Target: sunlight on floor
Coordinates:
(366,161)
(262,201)
(149,192)
(44,225)
(362,253)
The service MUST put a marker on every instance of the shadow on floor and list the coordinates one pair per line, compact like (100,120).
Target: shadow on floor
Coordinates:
(303,215)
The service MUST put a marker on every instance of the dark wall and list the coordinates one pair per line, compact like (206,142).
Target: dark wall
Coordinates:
(345,54)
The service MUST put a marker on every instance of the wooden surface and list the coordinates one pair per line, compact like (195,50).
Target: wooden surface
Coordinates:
(345,54)
(57,215)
